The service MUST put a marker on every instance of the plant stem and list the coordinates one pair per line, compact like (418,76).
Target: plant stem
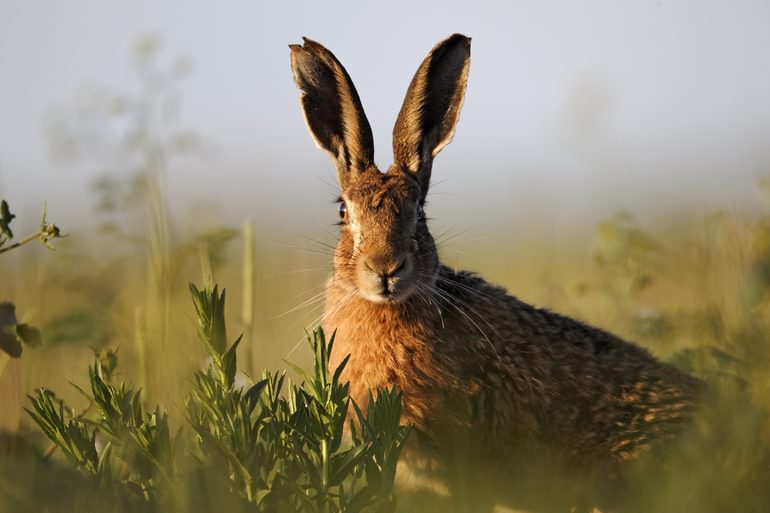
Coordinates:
(324,474)
(23,241)
(4,359)
(247,307)
(140,340)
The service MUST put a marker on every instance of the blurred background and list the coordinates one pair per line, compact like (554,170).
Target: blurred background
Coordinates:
(611,162)
(573,110)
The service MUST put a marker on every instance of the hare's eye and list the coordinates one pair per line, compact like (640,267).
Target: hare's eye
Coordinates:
(420,213)
(343,211)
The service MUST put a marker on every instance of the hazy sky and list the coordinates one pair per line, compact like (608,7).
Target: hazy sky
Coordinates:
(573,107)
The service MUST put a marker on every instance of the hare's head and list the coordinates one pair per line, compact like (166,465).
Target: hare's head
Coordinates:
(385,250)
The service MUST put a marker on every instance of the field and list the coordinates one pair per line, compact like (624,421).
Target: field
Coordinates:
(210,431)
(694,291)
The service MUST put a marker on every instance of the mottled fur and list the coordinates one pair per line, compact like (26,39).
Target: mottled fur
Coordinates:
(475,365)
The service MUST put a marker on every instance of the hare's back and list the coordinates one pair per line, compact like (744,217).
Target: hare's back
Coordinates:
(567,382)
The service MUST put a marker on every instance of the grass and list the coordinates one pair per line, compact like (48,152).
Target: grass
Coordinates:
(267,445)
(696,296)
(159,422)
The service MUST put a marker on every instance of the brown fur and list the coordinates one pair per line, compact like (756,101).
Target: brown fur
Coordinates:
(474,364)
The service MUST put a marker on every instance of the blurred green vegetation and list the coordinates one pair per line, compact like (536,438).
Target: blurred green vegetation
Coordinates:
(265,445)
(696,293)
(695,290)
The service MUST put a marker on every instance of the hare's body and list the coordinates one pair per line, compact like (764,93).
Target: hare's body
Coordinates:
(519,381)
(477,367)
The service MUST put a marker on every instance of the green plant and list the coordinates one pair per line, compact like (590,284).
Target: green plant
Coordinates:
(274,445)
(287,453)
(44,235)
(13,334)
(120,430)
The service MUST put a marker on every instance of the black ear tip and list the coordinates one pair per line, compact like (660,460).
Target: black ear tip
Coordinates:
(456,46)
(458,38)
(309,50)
(310,44)
(453,44)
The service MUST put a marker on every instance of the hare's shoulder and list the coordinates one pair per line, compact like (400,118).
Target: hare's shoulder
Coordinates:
(514,322)
(551,373)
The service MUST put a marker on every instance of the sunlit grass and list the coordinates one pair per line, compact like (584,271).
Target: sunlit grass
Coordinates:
(694,290)
(696,296)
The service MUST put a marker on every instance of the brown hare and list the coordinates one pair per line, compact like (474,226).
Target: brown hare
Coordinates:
(475,364)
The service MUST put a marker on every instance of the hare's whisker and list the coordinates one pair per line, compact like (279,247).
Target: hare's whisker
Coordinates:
(302,296)
(319,242)
(454,240)
(297,271)
(315,299)
(311,311)
(309,250)
(449,233)
(332,235)
(456,303)
(326,314)
(317,322)
(472,310)
(320,319)
(420,294)
(426,293)
(481,295)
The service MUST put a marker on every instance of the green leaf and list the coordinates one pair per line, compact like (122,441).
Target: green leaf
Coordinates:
(343,464)
(103,470)
(321,354)
(73,327)
(5,219)
(210,310)
(339,369)
(9,341)
(299,370)
(362,499)
(29,335)
(229,363)
(253,394)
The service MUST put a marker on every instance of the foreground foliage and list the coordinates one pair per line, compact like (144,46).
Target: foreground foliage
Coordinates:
(268,444)
(12,333)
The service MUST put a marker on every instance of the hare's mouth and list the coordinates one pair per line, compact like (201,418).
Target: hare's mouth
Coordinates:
(390,286)
(386,291)
(385,296)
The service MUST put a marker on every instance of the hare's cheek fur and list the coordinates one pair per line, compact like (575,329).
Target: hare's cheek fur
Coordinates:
(344,263)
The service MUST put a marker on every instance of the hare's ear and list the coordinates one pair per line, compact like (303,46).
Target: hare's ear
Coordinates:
(432,106)
(332,109)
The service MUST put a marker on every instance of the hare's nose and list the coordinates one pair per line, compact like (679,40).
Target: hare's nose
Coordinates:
(385,268)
